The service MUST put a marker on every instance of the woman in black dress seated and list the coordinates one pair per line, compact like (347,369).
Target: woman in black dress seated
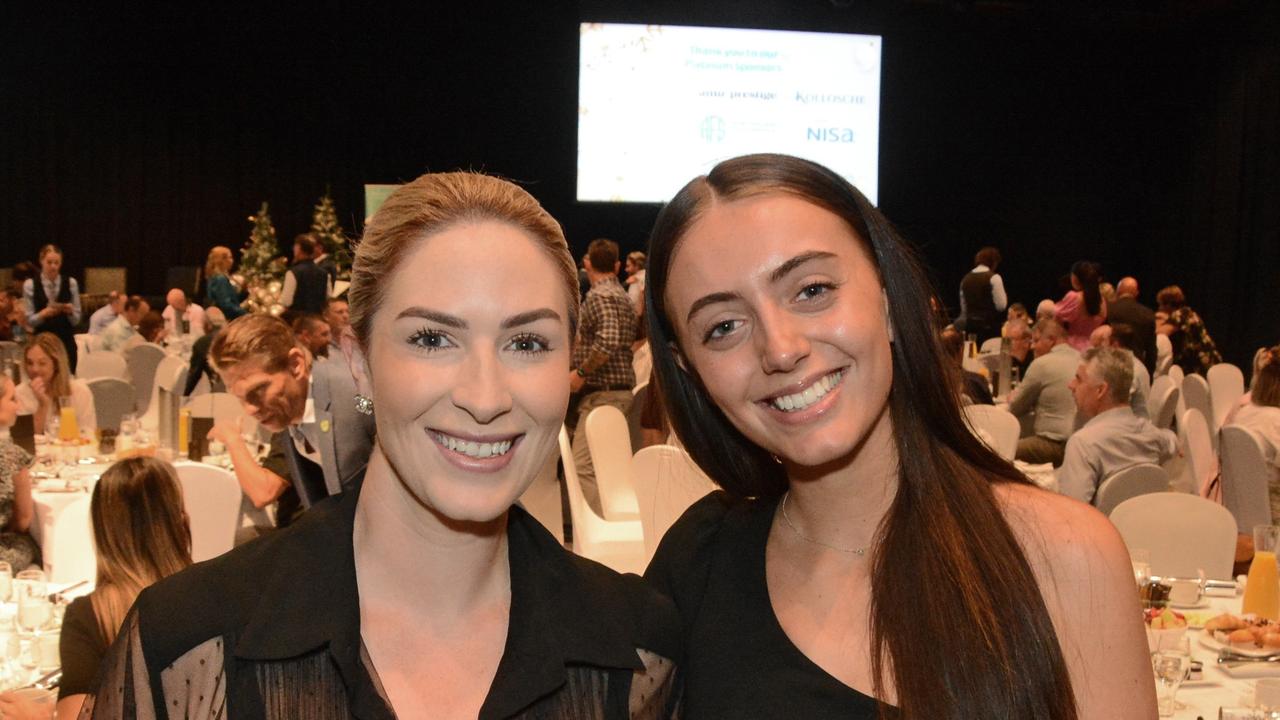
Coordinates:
(140,531)
(422,591)
(869,557)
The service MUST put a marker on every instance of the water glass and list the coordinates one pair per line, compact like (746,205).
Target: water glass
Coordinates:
(34,609)
(1170,669)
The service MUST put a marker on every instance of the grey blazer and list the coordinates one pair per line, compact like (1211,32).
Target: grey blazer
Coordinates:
(345,437)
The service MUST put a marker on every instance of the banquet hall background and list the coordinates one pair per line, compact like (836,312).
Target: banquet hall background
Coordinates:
(1144,136)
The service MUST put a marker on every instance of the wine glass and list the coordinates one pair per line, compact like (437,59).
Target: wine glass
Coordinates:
(1171,668)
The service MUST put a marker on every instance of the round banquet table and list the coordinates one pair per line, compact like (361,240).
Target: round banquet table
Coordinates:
(1218,688)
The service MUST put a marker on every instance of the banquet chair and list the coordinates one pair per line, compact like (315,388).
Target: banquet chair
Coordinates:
(113,398)
(1131,482)
(1163,406)
(997,428)
(142,361)
(221,407)
(1164,355)
(618,545)
(211,497)
(1195,394)
(667,483)
(1182,533)
(609,440)
(642,364)
(1226,387)
(1245,476)
(69,554)
(1193,438)
(82,344)
(102,364)
(542,500)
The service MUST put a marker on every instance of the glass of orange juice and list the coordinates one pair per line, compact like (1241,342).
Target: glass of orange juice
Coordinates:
(1262,593)
(68,427)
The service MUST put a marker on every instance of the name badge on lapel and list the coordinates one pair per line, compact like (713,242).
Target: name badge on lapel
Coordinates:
(324,426)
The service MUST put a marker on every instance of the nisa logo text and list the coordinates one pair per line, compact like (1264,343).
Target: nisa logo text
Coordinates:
(829,134)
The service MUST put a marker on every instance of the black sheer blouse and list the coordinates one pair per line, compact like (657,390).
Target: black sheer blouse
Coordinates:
(272,630)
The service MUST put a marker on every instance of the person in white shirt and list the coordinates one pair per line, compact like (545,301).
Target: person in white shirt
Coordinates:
(1043,398)
(117,333)
(1114,438)
(182,318)
(1261,416)
(103,316)
(48,381)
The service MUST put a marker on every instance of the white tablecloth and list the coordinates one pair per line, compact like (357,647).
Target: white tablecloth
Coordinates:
(1217,689)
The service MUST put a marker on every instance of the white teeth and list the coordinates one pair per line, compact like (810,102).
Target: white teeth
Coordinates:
(810,395)
(473,449)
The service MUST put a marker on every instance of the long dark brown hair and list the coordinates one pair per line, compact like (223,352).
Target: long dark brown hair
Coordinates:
(957,618)
(1090,278)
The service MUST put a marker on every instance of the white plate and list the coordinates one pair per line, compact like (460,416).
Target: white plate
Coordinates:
(1203,603)
(1209,641)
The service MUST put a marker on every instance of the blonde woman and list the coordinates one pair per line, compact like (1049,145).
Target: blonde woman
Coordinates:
(140,530)
(48,379)
(421,591)
(220,292)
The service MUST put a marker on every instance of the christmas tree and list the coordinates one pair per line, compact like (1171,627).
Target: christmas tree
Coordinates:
(327,231)
(262,265)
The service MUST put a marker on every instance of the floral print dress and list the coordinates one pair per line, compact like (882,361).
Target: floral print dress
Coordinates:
(18,549)
(1193,349)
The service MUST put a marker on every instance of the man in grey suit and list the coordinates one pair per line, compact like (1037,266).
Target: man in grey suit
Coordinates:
(281,386)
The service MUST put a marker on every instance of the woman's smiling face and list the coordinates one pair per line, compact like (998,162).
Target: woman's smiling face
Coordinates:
(780,312)
(469,364)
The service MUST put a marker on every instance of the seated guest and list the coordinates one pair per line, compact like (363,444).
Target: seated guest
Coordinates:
(1193,350)
(1261,415)
(1046,310)
(16,509)
(181,316)
(151,329)
(8,316)
(1113,438)
(1020,354)
(1017,313)
(1123,336)
(199,367)
(48,379)
(280,385)
(338,314)
(1044,391)
(313,332)
(123,327)
(973,387)
(1100,337)
(103,316)
(219,291)
(140,530)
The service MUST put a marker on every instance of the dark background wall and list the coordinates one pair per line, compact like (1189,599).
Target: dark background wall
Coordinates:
(1144,135)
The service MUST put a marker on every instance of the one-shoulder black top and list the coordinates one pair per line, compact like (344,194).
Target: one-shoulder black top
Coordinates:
(739,663)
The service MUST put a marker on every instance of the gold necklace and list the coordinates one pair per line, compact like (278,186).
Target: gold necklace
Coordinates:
(787,518)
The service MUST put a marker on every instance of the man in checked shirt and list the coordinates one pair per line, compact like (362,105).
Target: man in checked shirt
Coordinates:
(601,373)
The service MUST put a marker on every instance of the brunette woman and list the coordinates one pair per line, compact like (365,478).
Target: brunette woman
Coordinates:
(1083,308)
(870,557)
(1193,349)
(421,591)
(141,534)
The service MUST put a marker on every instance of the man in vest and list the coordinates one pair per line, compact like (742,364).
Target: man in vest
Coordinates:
(306,285)
(982,297)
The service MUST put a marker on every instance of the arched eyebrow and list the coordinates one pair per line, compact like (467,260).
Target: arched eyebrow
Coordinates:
(779,273)
(458,323)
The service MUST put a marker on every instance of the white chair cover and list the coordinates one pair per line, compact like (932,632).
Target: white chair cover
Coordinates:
(102,364)
(667,483)
(1226,387)
(170,375)
(542,499)
(211,497)
(1193,436)
(618,545)
(1162,403)
(112,399)
(1183,533)
(1245,476)
(610,442)
(1195,394)
(642,364)
(991,345)
(143,361)
(64,552)
(997,428)
(1164,355)
(1129,483)
(82,344)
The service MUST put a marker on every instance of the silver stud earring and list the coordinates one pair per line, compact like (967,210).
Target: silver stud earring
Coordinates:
(364,404)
